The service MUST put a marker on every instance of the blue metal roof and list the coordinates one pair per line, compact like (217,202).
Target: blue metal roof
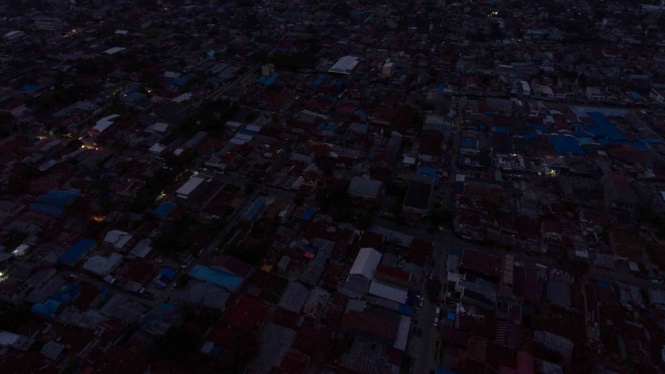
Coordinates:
(168,273)
(309,213)
(443,371)
(602,285)
(263,79)
(52,200)
(566,144)
(164,209)
(76,251)
(48,308)
(536,127)
(319,80)
(405,309)
(48,209)
(67,195)
(219,278)
(450,316)
(247,132)
(469,143)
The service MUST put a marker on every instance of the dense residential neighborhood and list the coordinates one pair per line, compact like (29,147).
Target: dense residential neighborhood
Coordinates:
(299,187)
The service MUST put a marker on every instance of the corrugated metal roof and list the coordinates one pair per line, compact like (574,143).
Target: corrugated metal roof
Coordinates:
(219,278)
(76,251)
(366,262)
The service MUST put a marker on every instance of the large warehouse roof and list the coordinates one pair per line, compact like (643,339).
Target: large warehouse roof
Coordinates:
(344,65)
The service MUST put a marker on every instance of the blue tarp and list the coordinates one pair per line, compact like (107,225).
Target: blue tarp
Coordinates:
(219,278)
(263,79)
(48,209)
(602,285)
(532,135)
(168,273)
(450,316)
(319,80)
(48,308)
(566,144)
(168,307)
(180,81)
(501,129)
(272,79)
(603,127)
(29,88)
(360,113)
(405,309)
(455,252)
(309,213)
(469,143)
(442,89)
(66,294)
(327,126)
(427,171)
(164,209)
(76,251)
(482,127)
(536,127)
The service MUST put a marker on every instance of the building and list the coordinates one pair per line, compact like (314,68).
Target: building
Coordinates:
(594,94)
(418,198)
(387,70)
(13,35)
(366,189)
(657,96)
(102,125)
(344,65)
(49,24)
(191,189)
(268,70)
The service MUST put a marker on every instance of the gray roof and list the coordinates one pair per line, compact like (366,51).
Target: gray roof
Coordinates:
(294,297)
(366,187)
(605,261)
(388,291)
(418,195)
(555,342)
(366,262)
(558,293)
(52,350)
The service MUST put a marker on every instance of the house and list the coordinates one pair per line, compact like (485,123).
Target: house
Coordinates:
(418,198)
(594,94)
(365,189)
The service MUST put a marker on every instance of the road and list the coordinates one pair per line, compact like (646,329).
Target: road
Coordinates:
(457,134)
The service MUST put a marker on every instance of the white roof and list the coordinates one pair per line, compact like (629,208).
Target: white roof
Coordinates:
(7,338)
(171,74)
(12,33)
(388,291)
(409,160)
(160,127)
(117,238)
(190,186)
(114,50)
(344,65)
(21,249)
(157,148)
(103,265)
(121,32)
(105,123)
(253,128)
(402,333)
(366,262)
